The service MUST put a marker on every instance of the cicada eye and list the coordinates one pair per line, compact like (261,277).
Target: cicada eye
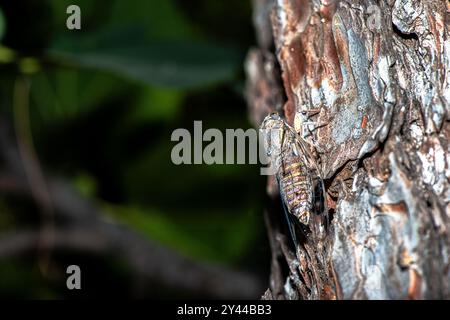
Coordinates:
(267,122)
(276,116)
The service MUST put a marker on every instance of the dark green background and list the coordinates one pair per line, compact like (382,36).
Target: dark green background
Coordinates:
(103,104)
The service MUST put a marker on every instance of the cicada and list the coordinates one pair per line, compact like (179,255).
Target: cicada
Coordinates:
(300,184)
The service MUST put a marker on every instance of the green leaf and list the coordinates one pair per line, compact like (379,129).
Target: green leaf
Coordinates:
(174,64)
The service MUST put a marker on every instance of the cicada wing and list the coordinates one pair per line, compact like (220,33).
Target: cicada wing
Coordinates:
(289,220)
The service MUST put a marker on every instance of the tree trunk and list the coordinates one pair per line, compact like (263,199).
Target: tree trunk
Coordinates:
(373,78)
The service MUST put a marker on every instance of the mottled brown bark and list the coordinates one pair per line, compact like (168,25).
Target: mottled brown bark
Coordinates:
(373,79)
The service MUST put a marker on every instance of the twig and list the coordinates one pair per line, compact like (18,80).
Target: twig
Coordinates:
(147,259)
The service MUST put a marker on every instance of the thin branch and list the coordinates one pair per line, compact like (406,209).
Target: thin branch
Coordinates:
(91,231)
(149,260)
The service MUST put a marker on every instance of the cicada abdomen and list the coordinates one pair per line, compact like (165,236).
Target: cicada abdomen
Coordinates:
(301,187)
(295,187)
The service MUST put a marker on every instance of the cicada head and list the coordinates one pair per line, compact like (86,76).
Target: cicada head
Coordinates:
(273,131)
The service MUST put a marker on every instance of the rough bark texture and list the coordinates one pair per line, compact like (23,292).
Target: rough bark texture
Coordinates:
(373,77)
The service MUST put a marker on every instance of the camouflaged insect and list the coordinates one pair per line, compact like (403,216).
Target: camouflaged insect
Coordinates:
(301,187)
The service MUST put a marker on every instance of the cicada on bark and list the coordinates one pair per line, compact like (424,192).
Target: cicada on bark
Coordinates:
(300,184)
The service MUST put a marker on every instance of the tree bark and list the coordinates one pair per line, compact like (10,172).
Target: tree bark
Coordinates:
(373,77)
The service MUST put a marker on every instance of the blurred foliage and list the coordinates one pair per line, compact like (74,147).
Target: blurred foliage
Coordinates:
(104,102)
